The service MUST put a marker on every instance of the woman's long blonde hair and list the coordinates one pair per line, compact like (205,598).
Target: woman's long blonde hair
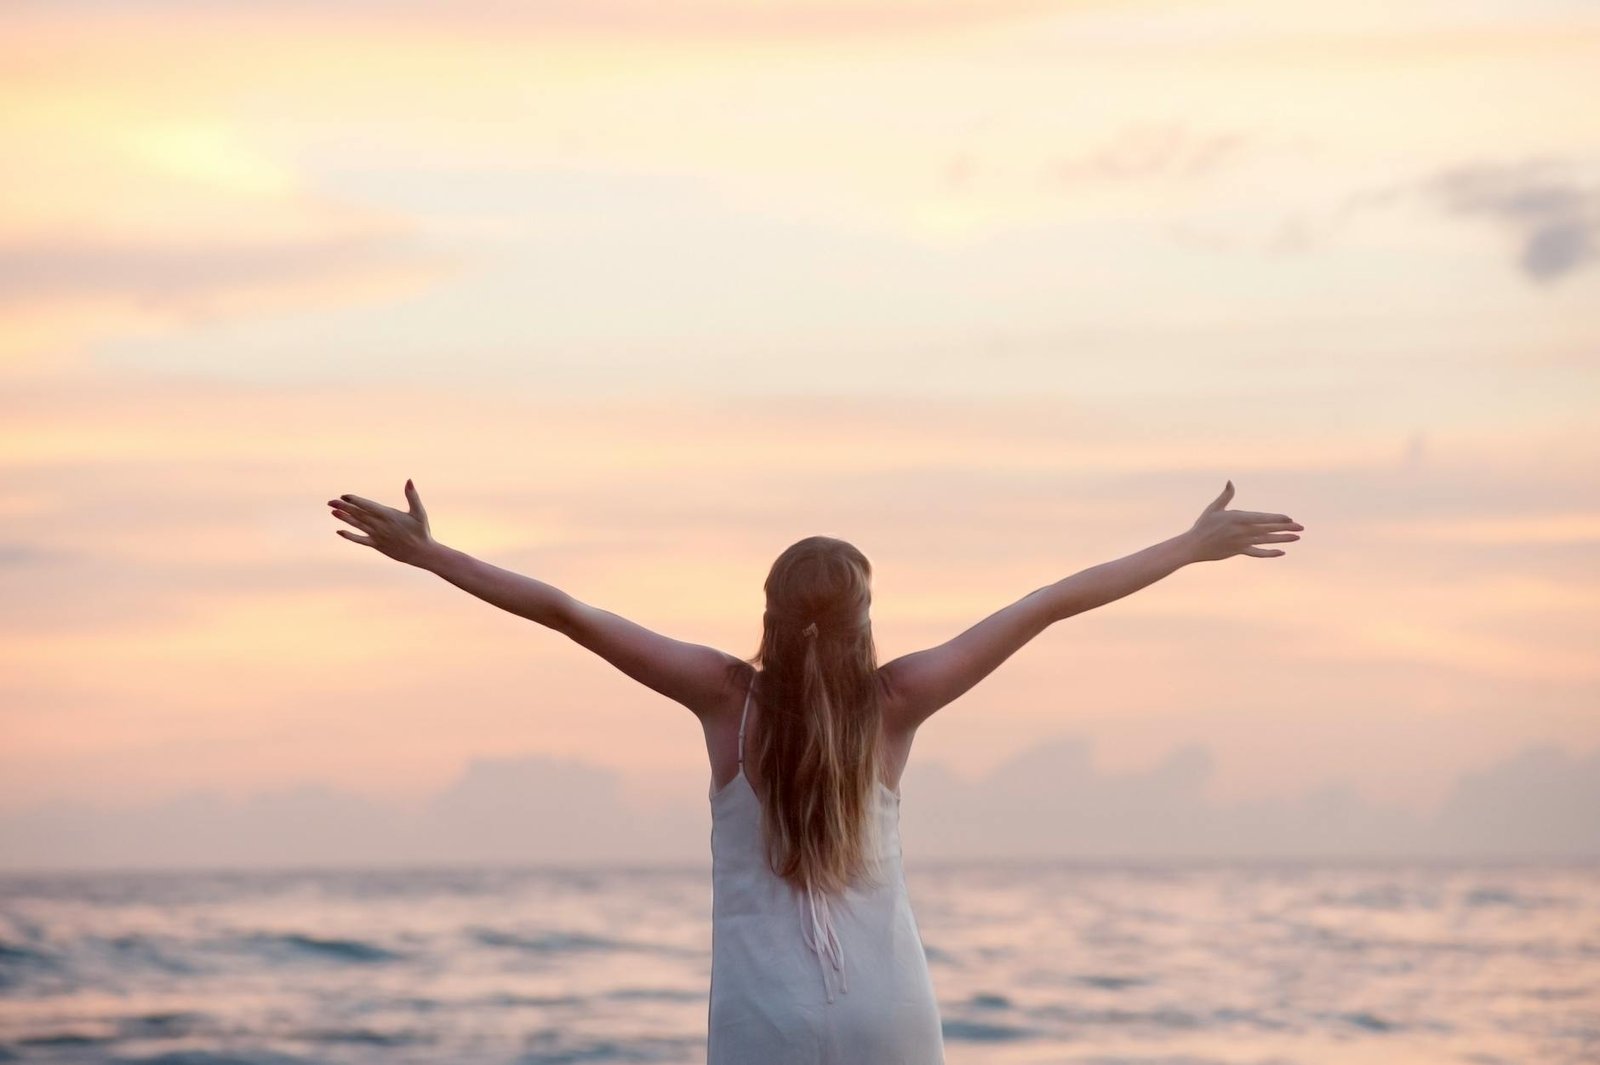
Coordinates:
(818,749)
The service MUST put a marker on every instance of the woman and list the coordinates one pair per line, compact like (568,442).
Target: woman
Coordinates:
(816,956)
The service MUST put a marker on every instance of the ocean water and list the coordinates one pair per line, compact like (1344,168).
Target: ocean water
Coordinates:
(1110,965)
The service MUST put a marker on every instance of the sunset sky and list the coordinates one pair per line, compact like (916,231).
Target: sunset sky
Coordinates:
(641,293)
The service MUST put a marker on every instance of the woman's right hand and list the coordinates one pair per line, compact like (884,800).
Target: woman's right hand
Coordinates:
(1219,533)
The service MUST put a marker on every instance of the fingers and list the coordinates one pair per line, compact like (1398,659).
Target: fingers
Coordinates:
(1253,516)
(360,521)
(364,514)
(1273,538)
(349,513)
(1221,500)
(361,503)
(364,520)
(1261,552)
(416,502)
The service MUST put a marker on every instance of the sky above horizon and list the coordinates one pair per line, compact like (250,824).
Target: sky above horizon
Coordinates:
(640,294)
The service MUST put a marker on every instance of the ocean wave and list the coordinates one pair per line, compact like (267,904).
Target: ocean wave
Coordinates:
(1109,982)
(1158,1017)
(656,994)
(368,1037)
(111,961)
(545,942)
(1493,896)
(511,999)
(20,964)
(1383,897)
(556,942)
(215,1057)
(960,1031)
(13,953)
(67,1039)
(558,1048)
(163,1024)
(299,944)
(1369,1021)
(1167,1018)
(988,1000)
(165,953)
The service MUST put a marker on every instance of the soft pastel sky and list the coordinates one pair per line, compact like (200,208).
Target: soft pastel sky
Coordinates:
(641,293)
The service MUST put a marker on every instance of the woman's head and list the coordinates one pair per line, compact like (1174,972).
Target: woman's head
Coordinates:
(821,581)
(818,746)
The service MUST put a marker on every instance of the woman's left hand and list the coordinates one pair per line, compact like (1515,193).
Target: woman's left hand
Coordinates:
(403,535)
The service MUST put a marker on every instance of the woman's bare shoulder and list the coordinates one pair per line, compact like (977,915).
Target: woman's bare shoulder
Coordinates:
(896,718)
(743,680)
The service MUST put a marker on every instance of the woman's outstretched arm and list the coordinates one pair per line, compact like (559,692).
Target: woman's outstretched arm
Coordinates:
(692,674)
(922,682)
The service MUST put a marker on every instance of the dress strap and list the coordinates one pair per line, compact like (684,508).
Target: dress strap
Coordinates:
(742,715)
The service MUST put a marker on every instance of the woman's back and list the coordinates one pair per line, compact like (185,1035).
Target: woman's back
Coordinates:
(801,978)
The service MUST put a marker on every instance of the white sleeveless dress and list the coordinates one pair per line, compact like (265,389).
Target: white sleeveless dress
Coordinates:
(802,978)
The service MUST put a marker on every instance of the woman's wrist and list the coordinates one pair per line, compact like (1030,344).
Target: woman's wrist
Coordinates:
(435,557)
(1186,545)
